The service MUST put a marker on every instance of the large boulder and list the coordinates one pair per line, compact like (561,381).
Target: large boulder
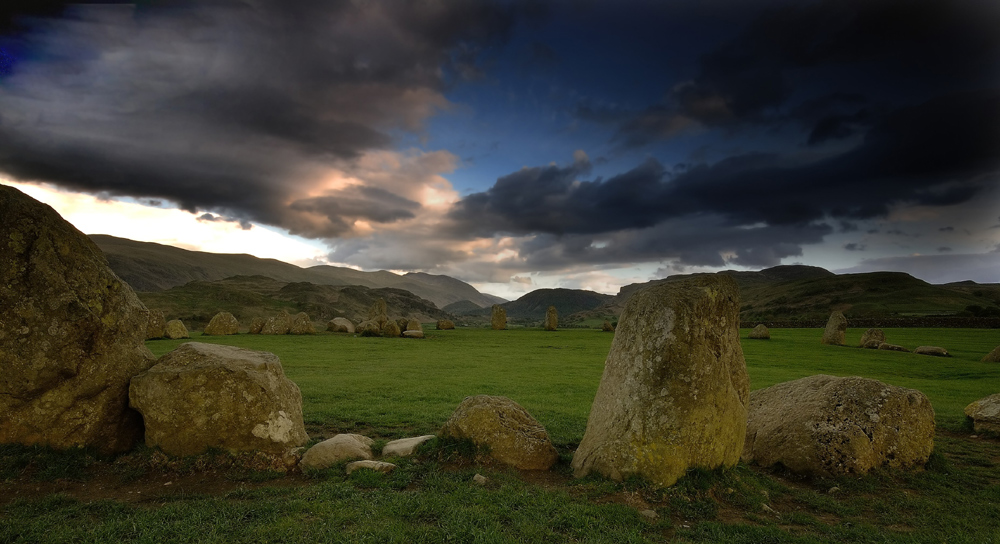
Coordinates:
(279,324)
(257,325)
(993,356)
(825,426)
(340,448)
(156,326)
(369,328)
(508,430)
(933,351)
(985,414)
(551,319)
(340,324)
(760,332)
(836,330)
(445,325)
(71,335)
(391,329)
(223,324)
(872,339)
(201,396)
(301,324)
(413,325)
(498,318)
(378,312)
(675,386)
(176,330)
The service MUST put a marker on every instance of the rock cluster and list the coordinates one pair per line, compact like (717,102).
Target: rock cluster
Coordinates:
(675,386)
(760,332)
(836,329)
(498,319)
(224,323)
(71,335)
(508,430)
(872,339)
(201,396)
(825,426)
(551,319)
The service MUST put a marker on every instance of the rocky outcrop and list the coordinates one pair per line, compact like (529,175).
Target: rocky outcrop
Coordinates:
(445,325)
(202,396)
(836,330)
(675,386)
(498,319)
(872,339)
(508,430)
(933,351)
(827,426)
(340,448)
(176,330)
(156,326)
(301,324)
(760,332)
(224,323)
(340,324)
(551,319)
(985,414)
(71,335)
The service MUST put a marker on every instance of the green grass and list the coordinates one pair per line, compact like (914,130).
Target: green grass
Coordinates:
(389,388)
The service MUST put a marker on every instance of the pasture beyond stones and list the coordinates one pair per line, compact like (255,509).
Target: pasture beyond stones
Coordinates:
(392,388)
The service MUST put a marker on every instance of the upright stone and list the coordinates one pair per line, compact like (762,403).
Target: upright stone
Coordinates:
(836,330)
(176,330)
(378,312)
(157,327)
(607,326)
(201,396)
(675,386)
(499,318)
(223,324)
(279,324)
(71,335)
(760,332)
(551,319)
(445,325)
(257,325)
(391,330)
(301,324)
(414,325)
(872,339)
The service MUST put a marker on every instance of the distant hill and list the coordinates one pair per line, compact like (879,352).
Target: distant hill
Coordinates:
(247,297)
(811,293)
(532,306)
(149,267)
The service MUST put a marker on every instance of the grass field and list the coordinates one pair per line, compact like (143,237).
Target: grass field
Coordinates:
(388,388)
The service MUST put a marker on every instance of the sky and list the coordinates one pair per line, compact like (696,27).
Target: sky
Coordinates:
(517,144)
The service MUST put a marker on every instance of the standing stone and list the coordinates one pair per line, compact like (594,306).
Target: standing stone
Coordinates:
(340,324)
(369,328)
(993,356)
(551,319)
(499,318)
(301,324)
(71,335)
(402,324)
(872,339)
(826,426)
(607,326)
(176,330)
(378,312)
(760,332)
(279,324)
(985,414)
(445,325)
(836,330)
(413,325)
(508,430)
(202,396)
(223,324)
(257,325)
(157,327)
(391,330)
(675,386)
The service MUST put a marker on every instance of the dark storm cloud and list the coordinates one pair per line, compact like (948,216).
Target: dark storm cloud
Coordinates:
(341,209)
(861,50)
(229,107)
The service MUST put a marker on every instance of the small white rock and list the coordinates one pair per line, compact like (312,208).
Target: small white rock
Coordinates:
(649,514)
(377,466)
(404,447)
(480,479)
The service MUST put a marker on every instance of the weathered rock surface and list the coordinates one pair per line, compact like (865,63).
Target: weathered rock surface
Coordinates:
(836,330)
(369,328)
(933,351)
(223,323)
(157,325)
(414,325)
(377,312)
(340,448)
(340,324)
(301,324)
(71,335)
(402,324)
(445,325)
(498,319)
(391,330)
(205,395)
(985,414)
(413,334)
(257,325)
(551,319)
(607,326)
(993,356)
(825,425)
(405,447)
(512,435)
(760,332)
(279,324)
(176,330)
(872,339)
(885,346)
(377,466)
(675,386)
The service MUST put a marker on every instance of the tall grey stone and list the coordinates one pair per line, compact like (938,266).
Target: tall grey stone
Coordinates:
(836,330)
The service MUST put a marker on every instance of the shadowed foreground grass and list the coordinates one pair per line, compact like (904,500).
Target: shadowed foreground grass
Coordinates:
(389,388)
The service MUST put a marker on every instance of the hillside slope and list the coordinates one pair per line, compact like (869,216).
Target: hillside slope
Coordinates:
(149,267)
